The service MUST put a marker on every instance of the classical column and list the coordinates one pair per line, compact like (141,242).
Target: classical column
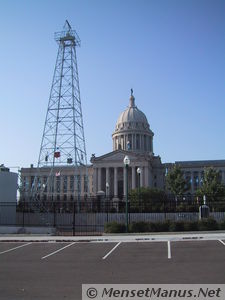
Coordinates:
(99,179)
(125,142)
(133,178)
(146,170)
(95,180)
(151,144)
(115,183)
(141,142)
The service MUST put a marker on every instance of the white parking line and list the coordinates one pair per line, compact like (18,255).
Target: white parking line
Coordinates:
(169,250)
(50,254)
(221,242)
(12,249)
(111,250)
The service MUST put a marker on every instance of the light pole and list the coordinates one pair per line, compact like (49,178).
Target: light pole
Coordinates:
(107,196)
(139,184)
(107,191)
(126,162)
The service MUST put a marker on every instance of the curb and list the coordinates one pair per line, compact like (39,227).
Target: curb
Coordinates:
(118,238)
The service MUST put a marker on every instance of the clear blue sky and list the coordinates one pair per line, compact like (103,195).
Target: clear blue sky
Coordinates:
(172,53)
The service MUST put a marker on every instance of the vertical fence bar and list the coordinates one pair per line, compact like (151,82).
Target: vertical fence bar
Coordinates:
(23,212)
(128,213)
(54,214)
(74,215)
(107,216)
(164,209)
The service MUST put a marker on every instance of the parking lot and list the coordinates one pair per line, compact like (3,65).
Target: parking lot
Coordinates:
(56,270)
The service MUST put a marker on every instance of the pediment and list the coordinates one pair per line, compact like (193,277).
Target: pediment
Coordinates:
(116,156)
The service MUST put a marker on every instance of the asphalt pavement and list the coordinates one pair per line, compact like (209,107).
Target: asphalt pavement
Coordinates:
(56,269)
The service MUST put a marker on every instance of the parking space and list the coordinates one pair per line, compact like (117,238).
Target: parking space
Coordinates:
(128,253)
(198,251)
(57,270)
(7,246)
(81,253)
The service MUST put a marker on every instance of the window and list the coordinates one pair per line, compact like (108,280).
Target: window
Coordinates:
(85,183)
(45,184)
(31,181)
(58,184)
(25,184)
(64,184)
(196,180)
(71,183)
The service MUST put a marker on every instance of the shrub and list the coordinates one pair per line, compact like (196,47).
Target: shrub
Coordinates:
(191,226)
(153,227)
(161,226)
(114,227)
(204,224)
(177,226)
(139,227)
(222,225)
(208,224)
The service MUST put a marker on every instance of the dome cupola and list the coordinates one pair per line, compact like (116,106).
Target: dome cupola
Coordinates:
(132,130)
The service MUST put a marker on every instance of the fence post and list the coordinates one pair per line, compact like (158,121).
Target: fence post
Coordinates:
(54,213)
(164,208)
(74,215)
(107,216)
(23,212)
(128,212)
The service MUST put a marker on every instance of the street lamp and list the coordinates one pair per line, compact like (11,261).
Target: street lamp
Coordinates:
(139,184)
(126,162)
(107,196)
(107,190)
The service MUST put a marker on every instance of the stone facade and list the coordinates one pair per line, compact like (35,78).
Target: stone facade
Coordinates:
(60,185)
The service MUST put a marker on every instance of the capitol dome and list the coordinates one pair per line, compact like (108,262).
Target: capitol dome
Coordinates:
(132,117)
(132,130)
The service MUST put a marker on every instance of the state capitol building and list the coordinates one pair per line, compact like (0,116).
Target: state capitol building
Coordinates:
(132,137)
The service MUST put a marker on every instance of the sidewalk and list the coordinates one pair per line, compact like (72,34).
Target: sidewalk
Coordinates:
(154,237)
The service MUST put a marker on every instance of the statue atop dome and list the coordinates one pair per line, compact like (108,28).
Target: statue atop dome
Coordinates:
(132,99)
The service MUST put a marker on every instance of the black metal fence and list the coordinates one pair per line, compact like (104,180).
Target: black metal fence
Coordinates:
(89,215)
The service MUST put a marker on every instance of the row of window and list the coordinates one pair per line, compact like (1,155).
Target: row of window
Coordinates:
(58,183)
(197,178)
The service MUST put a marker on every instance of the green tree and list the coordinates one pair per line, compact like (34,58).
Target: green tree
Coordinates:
(146,200)
(211,185)
(176,182)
